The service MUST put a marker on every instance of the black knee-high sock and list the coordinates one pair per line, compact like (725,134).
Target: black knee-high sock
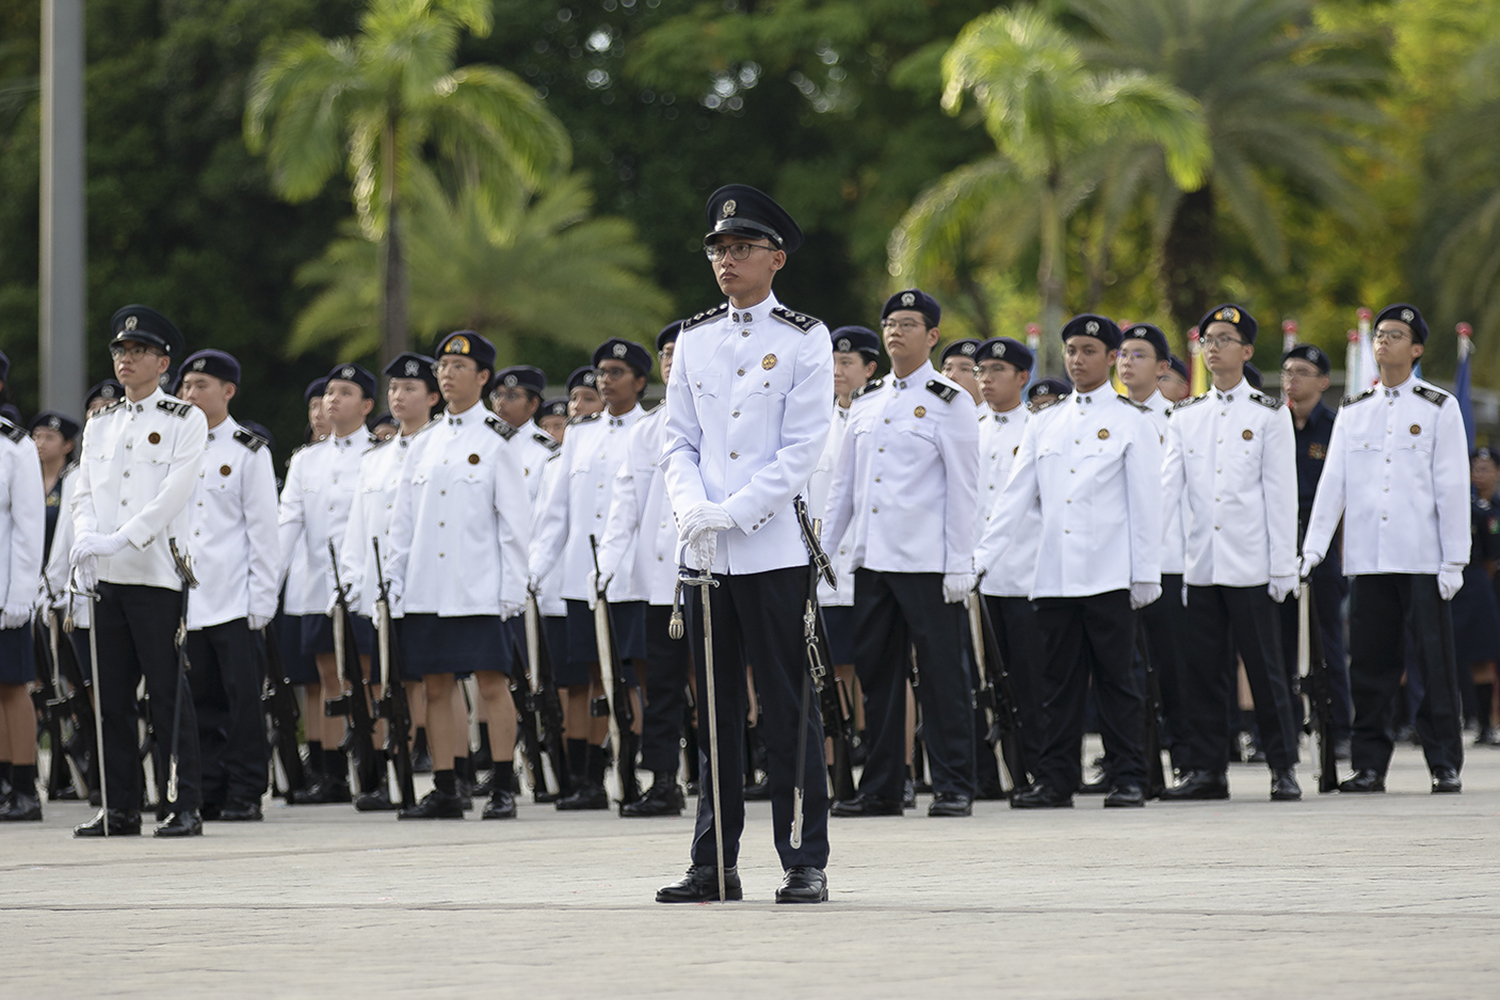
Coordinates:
(1482,695)
(445,782)
(578,757)
(23,777)
(315,755)
(335,765)
(503,778)
(461,769)
(596,764)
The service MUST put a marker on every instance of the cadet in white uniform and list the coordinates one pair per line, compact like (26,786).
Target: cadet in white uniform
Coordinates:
(517,399)
(957,363)
(1397,472)
(237,561)
(746,420)
(139,469)
(23,524)
(1092,464)
(1231,464)
(905,487)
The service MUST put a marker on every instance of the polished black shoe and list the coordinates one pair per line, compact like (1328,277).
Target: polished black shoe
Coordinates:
(909,794)
(866,805)
(465,794)
(584,797)
(1444,780)
(435,805)
(1197,786)
(208,811)
(121,824)
(803,884)
(701,885)
(663,798)
(241,812)
(1488,737)
(1125,797)
(324,791)
(377,799)
(1363,780)
(22,808)
(184,823)
(951,804)
(1284,787)
(502,805)
(421,761)
(1100,787)
(1040,796)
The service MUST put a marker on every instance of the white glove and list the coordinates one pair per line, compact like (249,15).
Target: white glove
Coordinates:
(509,609)
(1307,564)
(333,601)
(1281,587)
(86,573)
(703,548)
(14,617)
(704,516)
(258,622)
(1142,594)
(957,586)
(1450,580)
(591,590)
(91,543)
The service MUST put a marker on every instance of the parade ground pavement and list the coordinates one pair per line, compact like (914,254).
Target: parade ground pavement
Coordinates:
(1392,895)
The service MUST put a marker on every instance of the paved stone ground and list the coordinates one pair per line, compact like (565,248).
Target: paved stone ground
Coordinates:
(1380,896)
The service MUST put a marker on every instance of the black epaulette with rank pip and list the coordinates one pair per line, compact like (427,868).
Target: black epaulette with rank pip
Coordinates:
(1437,397)
(942,391)
(584,419)
(10,430)
(867,388)
(250,439)
(107,409)
(173,407)
(500,427)
(698,319)
(1269,402)
(1044,401)
(801,321)
(547,441)
(1139,406)
(1189,401)
(1358,396)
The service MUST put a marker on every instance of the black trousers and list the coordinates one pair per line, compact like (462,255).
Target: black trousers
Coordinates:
(1085,637)
(1165,625)
(892,613)
(1223,621)
(227,676)
(1020,642)
(757,619)
(1329,587)
(135,626)
(670,664)
(1380,608)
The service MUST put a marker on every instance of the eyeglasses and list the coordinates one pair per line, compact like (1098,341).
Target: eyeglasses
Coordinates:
(904,326)
(619,371)
(737,251)
(1300,373)
(135,352)
(455,365)
(1220,341)
(1137,356)
(1394,336)
(992,369)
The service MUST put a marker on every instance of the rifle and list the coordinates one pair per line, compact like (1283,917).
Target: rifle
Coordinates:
(528,722)
(279,702)
(189,581)
(354,705)
(548,704)
(75,691)
(996,695)
(1313,679)
(617,690)
(838,722)
(1156,778)
(392,706)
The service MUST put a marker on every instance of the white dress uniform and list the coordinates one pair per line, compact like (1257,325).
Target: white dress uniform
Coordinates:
(235,545)
(627,552)
(817,503)
(315,504)
(549,578)
(23,525)
(59,568)
(1013,570)
(534,449)
(370,516)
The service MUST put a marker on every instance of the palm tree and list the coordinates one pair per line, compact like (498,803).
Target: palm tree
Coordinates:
(379,104)
(1276,104)
(547,269)
(1060,129)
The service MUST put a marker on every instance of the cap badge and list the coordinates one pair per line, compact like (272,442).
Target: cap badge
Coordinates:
(1407,315)
(728,209)
(131,322)
(456,345)
(1104,434)
(413,369)
(108,392)
(998,351)
(588,378)
(967,350)
(920,411)
(54,423)
(1092,326)
(768,362)
(843,345)
(908,299)
(1140,332)
(1228,314)
(619,350)
(198,365)
(511,381)
(347,372)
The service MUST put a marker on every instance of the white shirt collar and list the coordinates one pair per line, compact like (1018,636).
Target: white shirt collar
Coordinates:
(919,377)
(760,312)
(1228,394)
(1396,390)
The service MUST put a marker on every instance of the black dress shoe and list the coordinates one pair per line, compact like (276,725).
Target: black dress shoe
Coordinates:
(376,800)
(1363,780)
(1197,786)
(866,805)
(701,885)
(803,884)
(1444,780)
(951,804)
(1284,787)
(909,794)
(584,797)
(663,798)
(121,824)
(22,808)
(435,805)
(183,823)
(208,811)
(241,812)
(465,794)
(502,805)
(421,761)
(324,791)
(1040,796)
(1125,797)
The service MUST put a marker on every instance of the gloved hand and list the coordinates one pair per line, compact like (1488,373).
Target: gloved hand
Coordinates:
(957,586)
(258,622)
(703,549)
(704,516)
(509,609)
(91,543)
(14,617)
(1450,580)
(1281,587)
(1142,594)
(86,573)
(333,601)
(1307,564)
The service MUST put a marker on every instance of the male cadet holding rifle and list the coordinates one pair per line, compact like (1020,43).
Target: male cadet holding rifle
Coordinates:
(1397,472)
(1092,463)
(747,415)
(1230,464)
(236,559)
(139,467)
(905,487)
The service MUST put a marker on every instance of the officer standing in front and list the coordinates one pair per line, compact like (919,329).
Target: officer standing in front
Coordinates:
(1397,473)
(905,487)
(747,415)
(139,468)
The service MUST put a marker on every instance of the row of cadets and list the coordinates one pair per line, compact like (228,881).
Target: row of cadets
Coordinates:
(24,521)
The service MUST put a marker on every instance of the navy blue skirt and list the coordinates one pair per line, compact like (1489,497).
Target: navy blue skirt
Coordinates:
(299,667)
(460,645)
(17,663)
(317,635)
(1476,619)
(629,620)
(839,621)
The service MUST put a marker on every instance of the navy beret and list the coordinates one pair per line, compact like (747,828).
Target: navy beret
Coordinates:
(628,351)
(261,430)
(668,335)
(12,413)
(1485,451)
(1235,317)
(533,380)
(4,367)
(914,298)
(1408,314)
(1152,335)
(1049,386)
(555,407)
(383,417)
(316,387)
(1252,375)
(468,344)
(60,422)
(145,325)
(109,390)
(351,372)
(410,364)
(741,210)
(583,377)
(1179,366)
(1312,355)
(852,339)
(967,347)
(1006,349)
(211,362)
(1101,328)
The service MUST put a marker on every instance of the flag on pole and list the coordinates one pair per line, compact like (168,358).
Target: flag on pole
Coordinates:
(1196,365)
(1462,389)
(1288,335)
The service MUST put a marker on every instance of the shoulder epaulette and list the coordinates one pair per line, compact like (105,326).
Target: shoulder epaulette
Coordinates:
(942,390)
(547,441)
(585,419)
(173,407)
(382,443)
(801,321)
(1139,406)
(500,427)
(1358,396)
(698,319)
(1269,402)
(107,409)
(10,430)
(867,388)
(1181,403)
(250,439)
(1435,396)
(1045,402)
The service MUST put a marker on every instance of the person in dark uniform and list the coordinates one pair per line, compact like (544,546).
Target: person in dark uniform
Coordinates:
(1476,613)
(138,471)
(747,417)
(56,438)
(22,525)
(1304,379)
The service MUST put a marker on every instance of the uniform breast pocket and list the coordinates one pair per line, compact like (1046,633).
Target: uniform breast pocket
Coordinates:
(1418,437)
(776,381)
(705,384)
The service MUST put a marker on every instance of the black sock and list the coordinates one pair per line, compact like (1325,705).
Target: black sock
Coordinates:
(6,772)
(23,777)
(461,769)
(315,754)
(578,751)
(419,741)
(445,782)
(484,740)
(504,778)
(335,767)
(596,764)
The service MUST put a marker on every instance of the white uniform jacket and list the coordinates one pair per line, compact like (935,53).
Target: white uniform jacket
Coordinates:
(629,549)
(236,551)
(23,517)
(315,505)
(817,504)
(380,472)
